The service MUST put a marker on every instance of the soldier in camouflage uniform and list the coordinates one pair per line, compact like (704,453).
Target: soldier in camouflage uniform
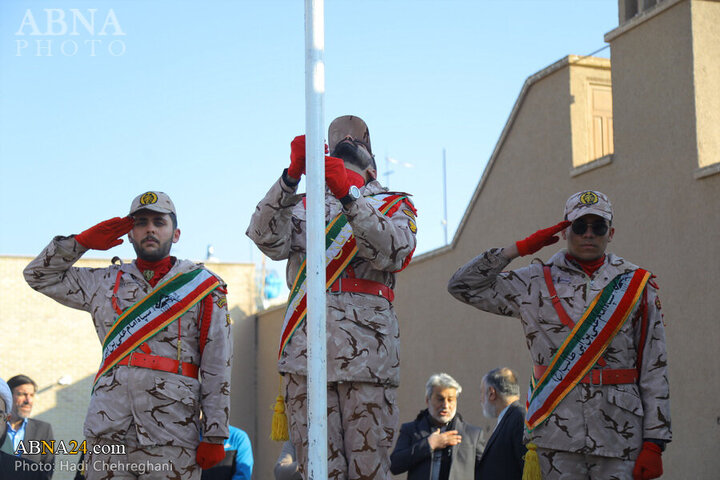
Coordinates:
(150,402)
(615,422)
(362,329)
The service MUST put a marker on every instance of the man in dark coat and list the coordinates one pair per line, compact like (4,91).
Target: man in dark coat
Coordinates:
(504,451)
(438,444)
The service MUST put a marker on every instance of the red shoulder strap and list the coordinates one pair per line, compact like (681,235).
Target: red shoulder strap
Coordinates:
(643,330)
(113,299)
(205,319)
(564,317)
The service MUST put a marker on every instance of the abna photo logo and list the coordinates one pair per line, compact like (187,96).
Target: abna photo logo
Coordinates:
(56,31)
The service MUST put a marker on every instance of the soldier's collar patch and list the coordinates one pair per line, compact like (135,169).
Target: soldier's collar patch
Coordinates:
(148,274)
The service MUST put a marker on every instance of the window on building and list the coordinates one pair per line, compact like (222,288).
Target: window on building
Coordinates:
(631,9)
(601,121)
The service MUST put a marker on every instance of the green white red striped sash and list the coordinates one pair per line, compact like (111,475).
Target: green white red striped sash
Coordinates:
(162,306)
(587,341)
(340,249)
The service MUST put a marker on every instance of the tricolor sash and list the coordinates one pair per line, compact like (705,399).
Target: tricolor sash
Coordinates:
(340,249)
(162,306)
(587,341)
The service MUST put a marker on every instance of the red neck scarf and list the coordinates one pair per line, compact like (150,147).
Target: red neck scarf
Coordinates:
(155,271)
(589,267)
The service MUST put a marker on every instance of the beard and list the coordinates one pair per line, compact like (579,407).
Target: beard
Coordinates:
(352,153)
(489,410)
(162,250)
(435,414)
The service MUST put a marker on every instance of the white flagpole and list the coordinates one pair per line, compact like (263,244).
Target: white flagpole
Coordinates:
(315,180)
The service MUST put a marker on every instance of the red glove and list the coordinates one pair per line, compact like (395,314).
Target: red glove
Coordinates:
(297,157)
(541,238)
(649,463)
(209,454)
(105,235)
(336,177)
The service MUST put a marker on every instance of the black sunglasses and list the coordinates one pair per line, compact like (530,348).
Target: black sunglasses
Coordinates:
(579,227)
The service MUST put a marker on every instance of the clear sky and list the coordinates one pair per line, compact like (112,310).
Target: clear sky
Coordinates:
(200,99)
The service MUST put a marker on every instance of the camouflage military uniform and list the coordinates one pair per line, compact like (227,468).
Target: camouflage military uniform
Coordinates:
(154,413)
(362,330)
(592,420)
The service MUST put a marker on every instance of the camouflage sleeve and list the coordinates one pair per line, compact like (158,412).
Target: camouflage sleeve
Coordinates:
(52,273)
(271,223)
(654,386)
(386,242)
(482,284)
(215,372)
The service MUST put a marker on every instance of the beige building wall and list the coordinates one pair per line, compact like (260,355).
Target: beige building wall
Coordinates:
(706,32)
(47,341)
(590,111)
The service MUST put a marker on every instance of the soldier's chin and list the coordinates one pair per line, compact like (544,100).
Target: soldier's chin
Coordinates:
(150,256)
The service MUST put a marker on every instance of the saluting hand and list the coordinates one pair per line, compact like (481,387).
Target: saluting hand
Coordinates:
(541,238)
(439,440)
(105,235)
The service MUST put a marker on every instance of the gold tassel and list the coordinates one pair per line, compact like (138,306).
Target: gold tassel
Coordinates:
(279,431)
(532,463)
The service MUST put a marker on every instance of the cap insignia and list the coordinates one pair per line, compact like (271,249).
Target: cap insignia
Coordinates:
(588,198)
(148,198)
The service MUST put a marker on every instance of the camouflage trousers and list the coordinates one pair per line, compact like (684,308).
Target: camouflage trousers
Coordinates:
(558,465)
(130,460)
(362,420)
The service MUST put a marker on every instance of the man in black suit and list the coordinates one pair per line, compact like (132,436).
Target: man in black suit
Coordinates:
(500,397)
(438,444)
(22,428)
(12,467)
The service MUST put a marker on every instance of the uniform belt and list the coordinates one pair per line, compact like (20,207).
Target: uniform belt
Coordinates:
(154,362)
(359,285)
(601,376)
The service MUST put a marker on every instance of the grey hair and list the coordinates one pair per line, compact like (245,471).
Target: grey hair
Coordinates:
(442,380)
(503,380)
